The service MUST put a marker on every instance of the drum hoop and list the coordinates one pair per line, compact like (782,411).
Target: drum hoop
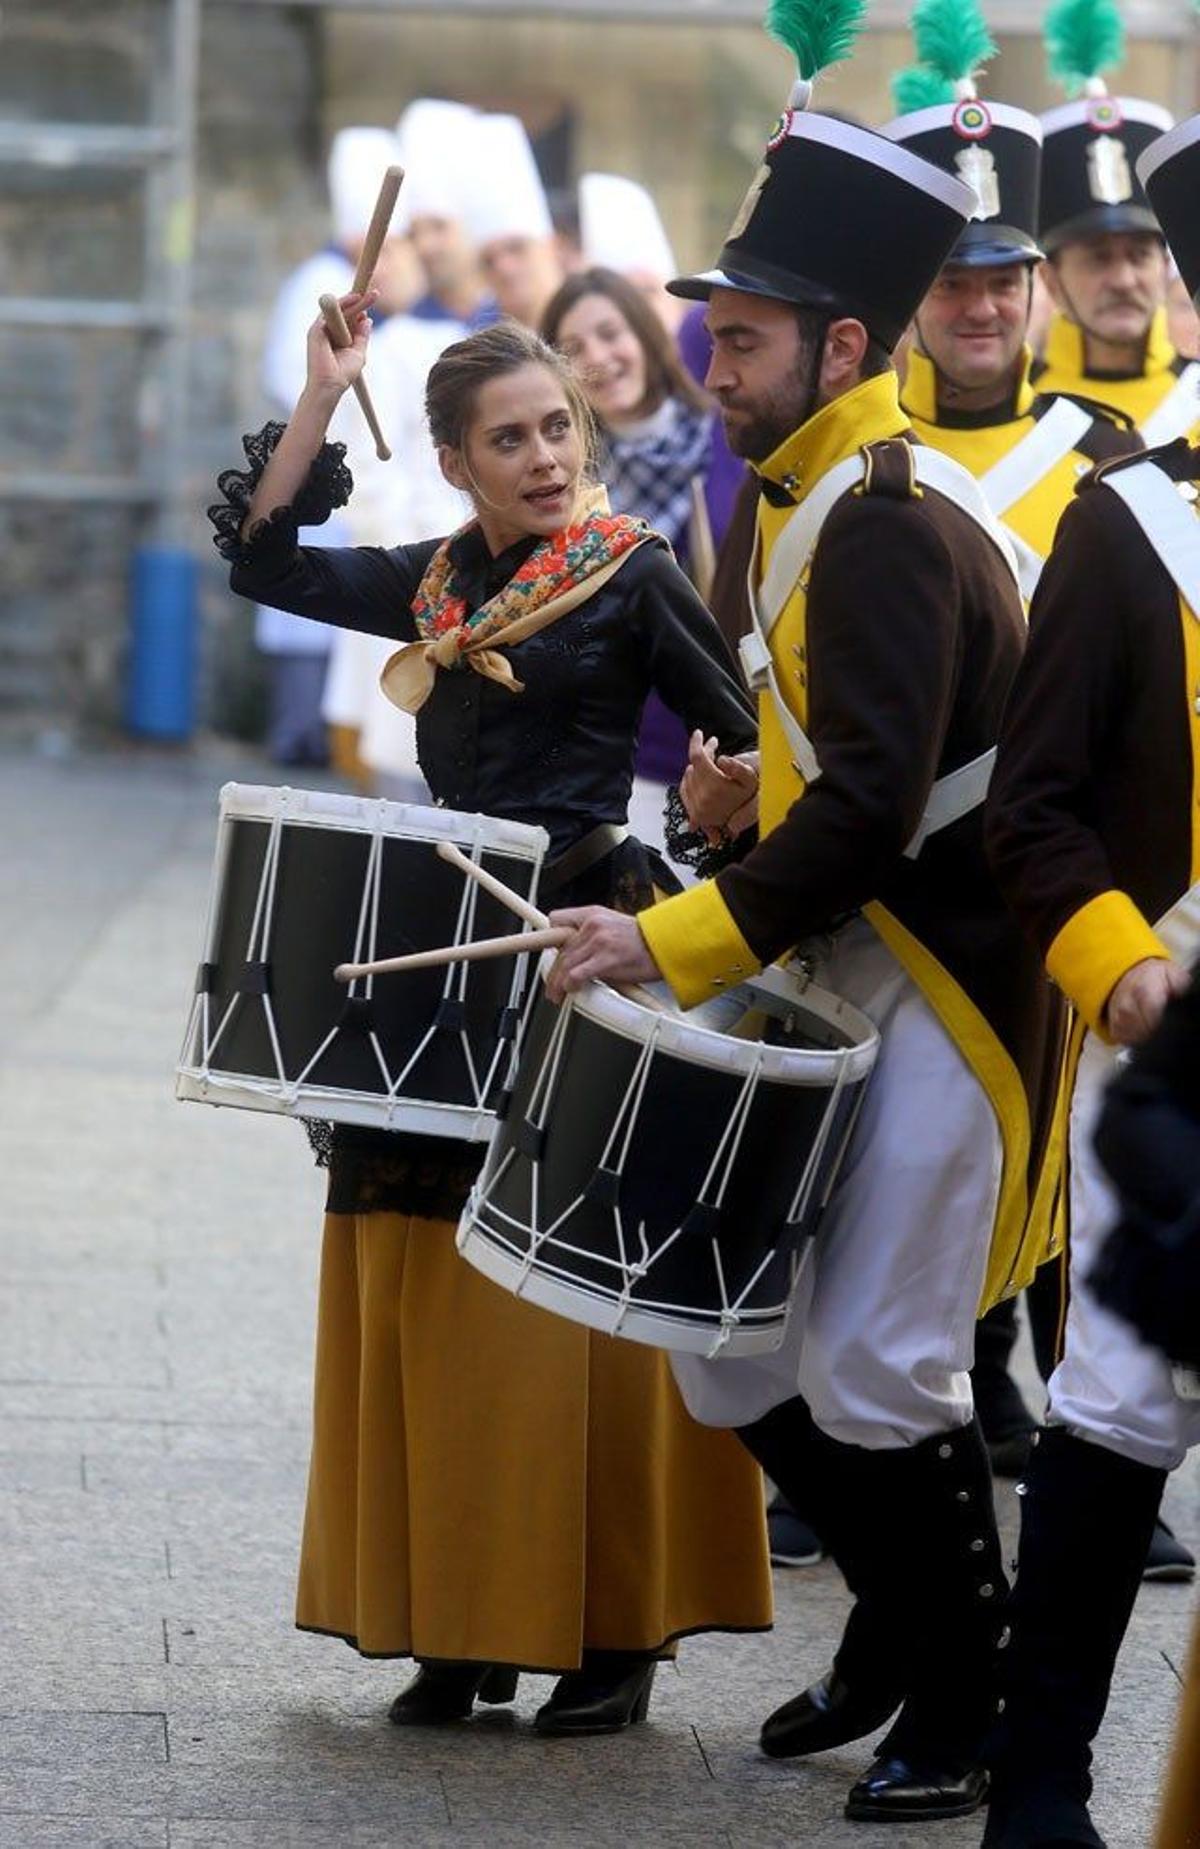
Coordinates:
(264,802)
(707,1046)
(702,1335)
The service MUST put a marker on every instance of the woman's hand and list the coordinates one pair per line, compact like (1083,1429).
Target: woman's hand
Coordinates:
(720,794)
(332,369)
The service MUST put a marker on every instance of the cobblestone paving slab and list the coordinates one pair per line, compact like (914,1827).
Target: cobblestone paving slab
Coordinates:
(157,1280)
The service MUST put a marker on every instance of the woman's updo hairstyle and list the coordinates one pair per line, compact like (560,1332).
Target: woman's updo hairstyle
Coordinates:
(459,375)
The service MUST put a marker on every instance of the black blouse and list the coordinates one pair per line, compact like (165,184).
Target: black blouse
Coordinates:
(559,755)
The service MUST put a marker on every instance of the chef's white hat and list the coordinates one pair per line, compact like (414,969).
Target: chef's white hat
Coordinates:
(506,196)
(358,160)
(620,228)
(435,139)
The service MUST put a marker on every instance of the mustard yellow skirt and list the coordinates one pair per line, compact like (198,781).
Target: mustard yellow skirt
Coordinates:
(1179,1821)
(491,1483)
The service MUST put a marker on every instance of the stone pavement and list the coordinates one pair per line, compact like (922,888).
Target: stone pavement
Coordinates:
(157,1267)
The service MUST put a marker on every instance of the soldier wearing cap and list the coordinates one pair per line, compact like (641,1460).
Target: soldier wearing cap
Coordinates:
(1094,832)
(1108,269)
(967,383)
(890,625)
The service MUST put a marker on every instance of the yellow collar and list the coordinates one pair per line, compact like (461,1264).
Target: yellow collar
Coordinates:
(866,414)
(1065,352)
(919,395)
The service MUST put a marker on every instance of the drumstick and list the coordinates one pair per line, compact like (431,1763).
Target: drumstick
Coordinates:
(377,230)
(515,903)
(513,900)
(513,946)
(340,336)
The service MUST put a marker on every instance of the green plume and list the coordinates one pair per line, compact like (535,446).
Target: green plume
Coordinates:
(1083,38)
(817,32)
(919,88)
(951,37)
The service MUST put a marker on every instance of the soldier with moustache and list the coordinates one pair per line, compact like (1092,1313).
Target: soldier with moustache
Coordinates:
(890,627)
(1094,832)
(1108,269)
(967,392)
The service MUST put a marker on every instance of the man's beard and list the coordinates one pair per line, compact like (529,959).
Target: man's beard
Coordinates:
(758,436)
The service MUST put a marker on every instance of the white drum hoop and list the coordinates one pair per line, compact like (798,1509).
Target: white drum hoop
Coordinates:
(736,1329)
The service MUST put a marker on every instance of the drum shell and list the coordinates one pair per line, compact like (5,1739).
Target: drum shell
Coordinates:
(314,904)
(771,1192)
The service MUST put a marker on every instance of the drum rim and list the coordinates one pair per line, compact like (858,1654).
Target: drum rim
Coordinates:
(593,1309)
(335,809)
(708,1046)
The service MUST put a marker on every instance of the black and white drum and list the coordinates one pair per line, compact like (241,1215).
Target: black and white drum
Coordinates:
(658,1176)
(305,880)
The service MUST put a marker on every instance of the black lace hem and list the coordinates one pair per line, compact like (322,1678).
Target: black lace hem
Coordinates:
(394,1171)
(328,484)
(690,847)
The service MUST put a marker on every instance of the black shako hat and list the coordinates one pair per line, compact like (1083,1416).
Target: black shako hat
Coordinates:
(1089,180)
(1169,169)
(996,150)
(842,219)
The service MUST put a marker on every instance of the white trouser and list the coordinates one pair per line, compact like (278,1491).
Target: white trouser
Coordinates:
(1110,1386)
(881,1334)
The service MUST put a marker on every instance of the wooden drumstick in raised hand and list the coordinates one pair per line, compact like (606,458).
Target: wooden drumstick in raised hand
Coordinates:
(377,230)
(340,336)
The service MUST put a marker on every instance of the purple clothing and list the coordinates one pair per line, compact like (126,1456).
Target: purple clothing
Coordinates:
(725,472)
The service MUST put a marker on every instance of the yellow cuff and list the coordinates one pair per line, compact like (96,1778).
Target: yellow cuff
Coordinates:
(1091,953)
(696,944)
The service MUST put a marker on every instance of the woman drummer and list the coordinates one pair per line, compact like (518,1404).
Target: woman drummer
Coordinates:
(493,1488)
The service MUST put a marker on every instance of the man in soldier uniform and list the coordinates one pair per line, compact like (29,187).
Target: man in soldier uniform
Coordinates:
(1094,831)
(967,391)
(881,692)
(966,387)
(1108,269)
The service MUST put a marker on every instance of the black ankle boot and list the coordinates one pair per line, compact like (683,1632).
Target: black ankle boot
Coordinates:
(608,1692)
(1086,1520)
(944,1571)
(865,1683)
(444,1692)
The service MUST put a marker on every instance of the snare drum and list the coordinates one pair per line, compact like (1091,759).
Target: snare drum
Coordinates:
(659,1176)
(305,880)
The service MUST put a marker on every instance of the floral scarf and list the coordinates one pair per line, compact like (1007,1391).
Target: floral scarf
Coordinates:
(563,571)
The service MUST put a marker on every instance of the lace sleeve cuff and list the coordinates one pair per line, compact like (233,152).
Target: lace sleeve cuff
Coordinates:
(690,847)
(327,485)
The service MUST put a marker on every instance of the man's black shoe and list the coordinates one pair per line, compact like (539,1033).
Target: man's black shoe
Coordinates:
(828,1714)
(895,1791)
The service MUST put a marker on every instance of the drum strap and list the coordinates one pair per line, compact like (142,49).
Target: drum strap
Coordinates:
(583,854)
(1169,523)
(1178,411)
(961,790)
